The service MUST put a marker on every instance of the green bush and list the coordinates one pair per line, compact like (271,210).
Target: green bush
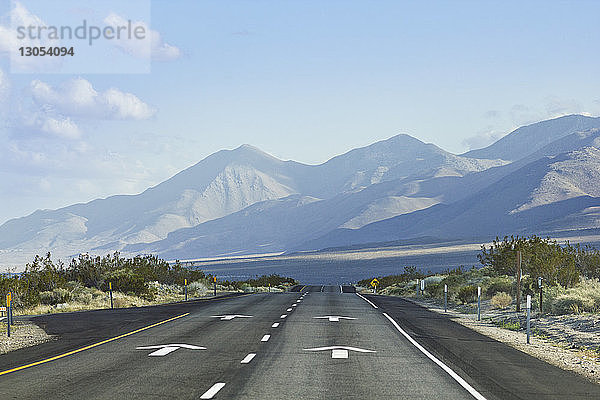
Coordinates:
(55,296)
(435,289)
(585,297)
(497,285)
(571,304)
(128,282)
(467,294)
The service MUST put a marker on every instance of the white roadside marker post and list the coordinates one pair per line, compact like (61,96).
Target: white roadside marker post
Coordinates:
(528,317)
(418,287)
(478,303)
(185,286)
(445,298)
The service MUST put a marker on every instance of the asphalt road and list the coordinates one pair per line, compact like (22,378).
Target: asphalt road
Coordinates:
(317,342)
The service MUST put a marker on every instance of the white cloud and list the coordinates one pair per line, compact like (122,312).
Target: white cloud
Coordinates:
(61,127)
(10,43)
(151,47)
(521,114)
(77,97)
(483,138)
(4,87)
(556,107)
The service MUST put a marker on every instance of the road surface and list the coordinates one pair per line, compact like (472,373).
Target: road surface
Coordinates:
(316,342)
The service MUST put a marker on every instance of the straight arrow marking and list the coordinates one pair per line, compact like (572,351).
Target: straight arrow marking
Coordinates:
(164,349)
(230,317)
(334,318)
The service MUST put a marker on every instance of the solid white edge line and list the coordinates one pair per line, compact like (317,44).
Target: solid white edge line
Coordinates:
(248,358)
(210,393)
(341,291)
(433,358)
(265,338)
(367,300)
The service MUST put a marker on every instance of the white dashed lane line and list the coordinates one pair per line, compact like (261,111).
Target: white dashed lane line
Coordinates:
(289,309)
(265,338)
(275,325)
(283,316)
(248,358)
(210,393)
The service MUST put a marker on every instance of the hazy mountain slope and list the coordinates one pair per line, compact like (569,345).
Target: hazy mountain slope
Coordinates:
(528,139)
(391,159)
(277,225)
(533,198)
(229,181)
(244,200)
(222,183)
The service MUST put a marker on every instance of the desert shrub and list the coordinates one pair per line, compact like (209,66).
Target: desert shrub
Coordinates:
(435,289)
(84,297)
(498,284)
(501,300)
(584,297)
(120,302)
(571,303)
(127,281)
(467,294)
(55,296)
(197,288)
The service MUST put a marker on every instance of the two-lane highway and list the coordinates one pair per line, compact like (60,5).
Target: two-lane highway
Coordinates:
(315,342)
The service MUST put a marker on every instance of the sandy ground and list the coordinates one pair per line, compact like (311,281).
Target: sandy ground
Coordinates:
(22,334)
(570,342)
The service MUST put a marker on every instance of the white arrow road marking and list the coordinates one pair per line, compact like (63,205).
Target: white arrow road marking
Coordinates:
(248,358)
(340,351)
(230,317)
(265,338)
(210,393)
(164,349)
(334,318)
(275,325)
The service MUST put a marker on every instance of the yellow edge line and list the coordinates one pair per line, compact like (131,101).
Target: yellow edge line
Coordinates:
(90,346)
(302,288)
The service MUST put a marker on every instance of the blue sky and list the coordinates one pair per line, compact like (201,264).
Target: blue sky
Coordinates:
(302,80)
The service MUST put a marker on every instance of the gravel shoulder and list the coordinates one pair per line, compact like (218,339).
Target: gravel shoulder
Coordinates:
(569,342)
(22,334)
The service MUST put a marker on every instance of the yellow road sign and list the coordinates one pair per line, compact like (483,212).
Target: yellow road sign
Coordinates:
(374,282)
(8,299)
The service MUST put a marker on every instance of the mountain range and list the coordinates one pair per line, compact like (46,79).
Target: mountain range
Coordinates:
(541,178)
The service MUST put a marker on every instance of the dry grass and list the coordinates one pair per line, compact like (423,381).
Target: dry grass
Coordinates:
(501,300)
